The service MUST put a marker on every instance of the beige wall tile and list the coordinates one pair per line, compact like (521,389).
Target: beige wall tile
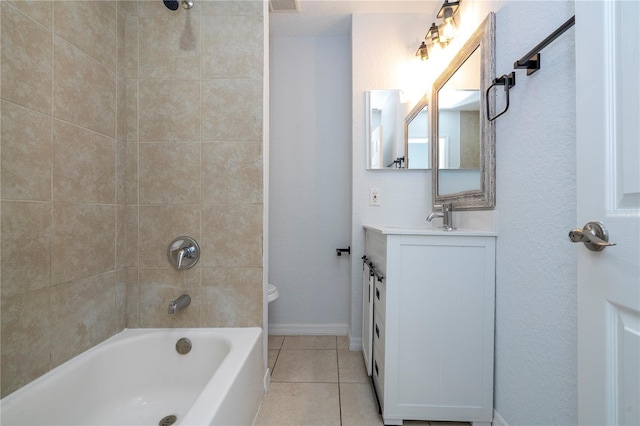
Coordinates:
(232,172)
(26,247)
(89,25)
(131,47)
(133,298)
(159,225)
(121,300)
(84,90)
(232,297)
(26,61)
(129,7)
(26,335)
(132,111)
(231,235)
(169,110)
(131,236)
(38,10)
(232,7)
(170,47)
(121,228)
(169,173)
(121,172)
(26,154)
(232,47)
(83,165)
(83,315)
(161,277)
(232,110)
(154,306)
(83,241)
(131,174)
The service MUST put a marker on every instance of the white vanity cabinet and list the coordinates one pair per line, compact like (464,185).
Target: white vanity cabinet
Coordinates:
(432,323)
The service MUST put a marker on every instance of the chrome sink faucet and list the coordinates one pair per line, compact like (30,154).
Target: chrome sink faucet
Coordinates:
(180,303)
(446,215)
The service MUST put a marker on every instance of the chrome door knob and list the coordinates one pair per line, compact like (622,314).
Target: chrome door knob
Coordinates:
(594,235)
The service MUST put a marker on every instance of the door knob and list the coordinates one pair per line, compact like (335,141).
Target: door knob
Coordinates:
(594,235)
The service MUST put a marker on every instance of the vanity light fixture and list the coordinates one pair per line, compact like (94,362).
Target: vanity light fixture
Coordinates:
(433,35)
(422,52)
(446,13)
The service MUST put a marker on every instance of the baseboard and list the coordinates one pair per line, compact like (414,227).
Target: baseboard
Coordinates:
(355,344)
(497,419)
(308,329)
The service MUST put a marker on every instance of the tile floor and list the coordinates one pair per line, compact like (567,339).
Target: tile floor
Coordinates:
(316,380)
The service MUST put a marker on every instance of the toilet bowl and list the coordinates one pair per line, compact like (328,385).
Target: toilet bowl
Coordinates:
(272,293)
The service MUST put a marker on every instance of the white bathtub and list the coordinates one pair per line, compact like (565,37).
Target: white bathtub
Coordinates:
(138,378)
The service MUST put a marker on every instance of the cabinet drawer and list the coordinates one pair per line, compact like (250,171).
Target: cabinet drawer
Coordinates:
(378,334)
(378,376)
(380,299)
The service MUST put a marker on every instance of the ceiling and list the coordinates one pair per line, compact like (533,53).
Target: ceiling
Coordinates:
(333,17)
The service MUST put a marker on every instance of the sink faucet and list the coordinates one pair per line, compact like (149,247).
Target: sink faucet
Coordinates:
(180,303)
(446,215)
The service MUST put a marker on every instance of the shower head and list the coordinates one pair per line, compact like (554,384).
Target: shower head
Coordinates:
(174,4)
(171,4)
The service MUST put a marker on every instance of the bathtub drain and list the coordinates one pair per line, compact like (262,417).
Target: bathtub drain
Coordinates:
(168,420)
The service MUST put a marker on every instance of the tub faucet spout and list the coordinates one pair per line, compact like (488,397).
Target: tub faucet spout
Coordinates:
(180,303)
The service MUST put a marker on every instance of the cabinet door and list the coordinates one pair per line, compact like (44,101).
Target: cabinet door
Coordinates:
(440,326)
(367,316)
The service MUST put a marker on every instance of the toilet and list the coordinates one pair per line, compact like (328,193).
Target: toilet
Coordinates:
(272,293)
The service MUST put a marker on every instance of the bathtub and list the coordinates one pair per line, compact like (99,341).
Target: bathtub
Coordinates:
(137,377)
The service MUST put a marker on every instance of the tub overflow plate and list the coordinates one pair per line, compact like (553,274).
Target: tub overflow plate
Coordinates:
(183,346)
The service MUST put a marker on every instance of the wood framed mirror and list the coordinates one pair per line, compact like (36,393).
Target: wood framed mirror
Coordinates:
(463,148)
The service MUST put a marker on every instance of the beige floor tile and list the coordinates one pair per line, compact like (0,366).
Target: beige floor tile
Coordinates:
(275,342)
(351,367)
(358,405)
(309,342)
(319,366)
(343,342)
(272,356)
(300,404)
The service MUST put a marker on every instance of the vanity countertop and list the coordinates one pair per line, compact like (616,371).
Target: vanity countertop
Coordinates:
(426,230)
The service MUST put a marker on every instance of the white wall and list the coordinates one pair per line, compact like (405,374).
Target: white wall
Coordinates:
(383,48)
(310,184)
(535,364)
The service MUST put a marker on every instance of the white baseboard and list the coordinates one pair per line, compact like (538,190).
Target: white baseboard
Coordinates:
(497,419)
(355,344)
(308,329)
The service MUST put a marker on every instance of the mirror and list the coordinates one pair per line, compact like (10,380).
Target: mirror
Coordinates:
(416,136)
(464,140)
(397,135)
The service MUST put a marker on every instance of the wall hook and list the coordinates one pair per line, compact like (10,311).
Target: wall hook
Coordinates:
(506,80)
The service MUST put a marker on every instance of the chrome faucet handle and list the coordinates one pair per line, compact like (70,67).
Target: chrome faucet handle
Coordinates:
(183,252)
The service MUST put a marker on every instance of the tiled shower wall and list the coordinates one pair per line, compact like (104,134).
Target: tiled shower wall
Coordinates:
(194,161)
(124,126)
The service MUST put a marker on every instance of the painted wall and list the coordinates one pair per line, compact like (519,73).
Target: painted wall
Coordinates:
(535,357)
(383,49)
(309,184)
(124,126)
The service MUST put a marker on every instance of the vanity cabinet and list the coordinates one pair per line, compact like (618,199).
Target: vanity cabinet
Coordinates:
(432,323)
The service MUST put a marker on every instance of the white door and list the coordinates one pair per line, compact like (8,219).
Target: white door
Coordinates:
(608,178)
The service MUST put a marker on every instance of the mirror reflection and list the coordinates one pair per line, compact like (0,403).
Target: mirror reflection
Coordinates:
(459,129)
(397,137)
(416,133)
(464,142)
